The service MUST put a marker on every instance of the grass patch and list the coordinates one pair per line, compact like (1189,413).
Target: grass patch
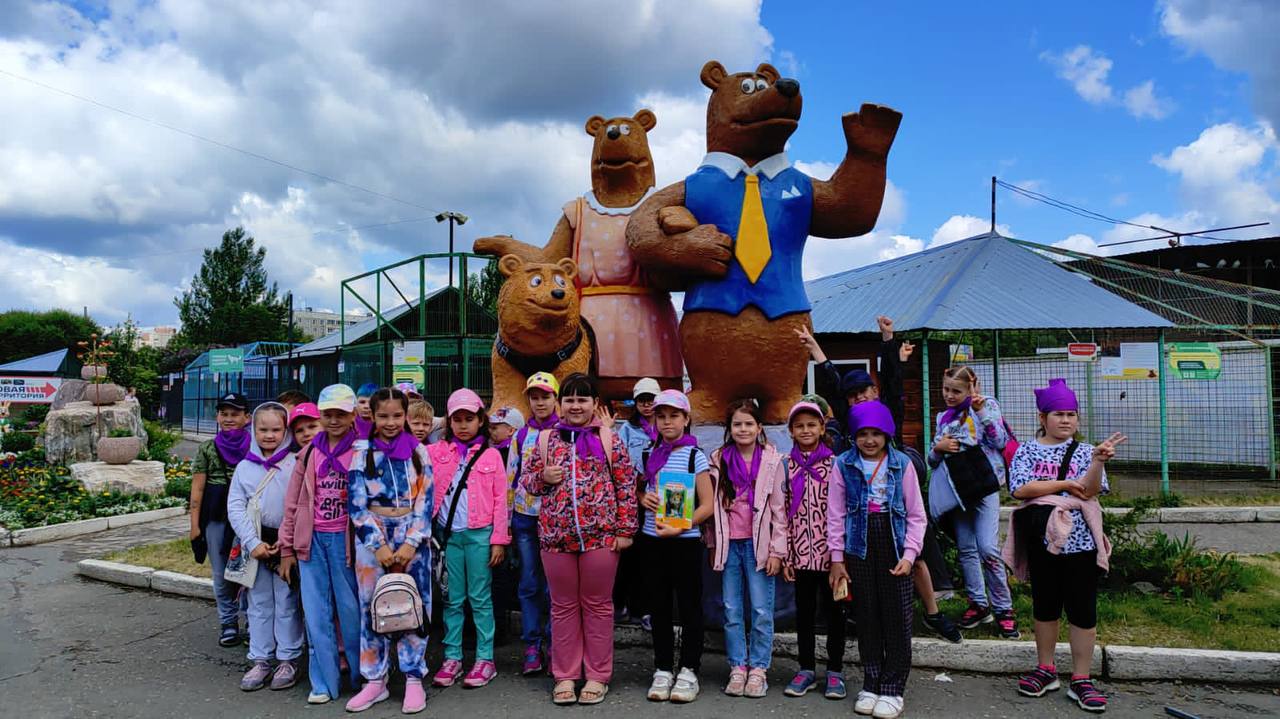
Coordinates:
(1247,620)
(174,556)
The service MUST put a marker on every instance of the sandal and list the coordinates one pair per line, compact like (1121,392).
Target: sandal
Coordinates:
(563,693)
(593,692)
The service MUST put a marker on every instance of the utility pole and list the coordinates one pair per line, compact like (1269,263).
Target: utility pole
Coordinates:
(453,218)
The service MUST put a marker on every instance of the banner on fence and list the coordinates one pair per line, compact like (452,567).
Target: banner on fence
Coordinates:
(36,390)
(1195,360)
(1082,351)
(226,360)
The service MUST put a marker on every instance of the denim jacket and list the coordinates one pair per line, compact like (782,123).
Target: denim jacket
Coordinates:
(847,508)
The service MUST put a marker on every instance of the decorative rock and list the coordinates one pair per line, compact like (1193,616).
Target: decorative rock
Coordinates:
(104,394)
(129,478)
(118,450)
(1146,587)
(1199,665)
(71,433)
(72,390)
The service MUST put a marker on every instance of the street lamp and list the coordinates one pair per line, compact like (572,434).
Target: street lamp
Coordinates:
(453,218)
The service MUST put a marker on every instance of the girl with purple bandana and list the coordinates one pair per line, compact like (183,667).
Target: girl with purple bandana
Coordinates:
(1058,480)
(811,472)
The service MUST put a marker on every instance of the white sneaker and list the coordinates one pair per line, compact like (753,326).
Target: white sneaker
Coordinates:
(686,688)
(318,698)
(660,689)
(887,708)
(866,703)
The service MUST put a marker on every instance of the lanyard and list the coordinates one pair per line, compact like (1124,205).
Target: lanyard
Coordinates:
(876,471)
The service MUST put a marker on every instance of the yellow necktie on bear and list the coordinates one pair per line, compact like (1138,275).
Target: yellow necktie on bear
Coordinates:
(752,247)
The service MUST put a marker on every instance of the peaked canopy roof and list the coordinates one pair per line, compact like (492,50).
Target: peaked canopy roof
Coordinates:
(986,282)
(47,363)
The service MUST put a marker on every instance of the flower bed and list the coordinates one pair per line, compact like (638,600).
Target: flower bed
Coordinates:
(34,495)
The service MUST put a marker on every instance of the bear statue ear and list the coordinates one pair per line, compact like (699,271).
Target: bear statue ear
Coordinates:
(594,123)
(768,72)
(509,265)
(713,73)
(569,267)
(647,119)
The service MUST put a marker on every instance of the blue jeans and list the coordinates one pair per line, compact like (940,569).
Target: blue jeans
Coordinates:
(535,596)
(227,594)
(739,570)
(978,541)
(329,585)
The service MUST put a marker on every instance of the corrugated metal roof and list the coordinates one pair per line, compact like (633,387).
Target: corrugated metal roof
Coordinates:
(333,342)
(983,283)
(47,363)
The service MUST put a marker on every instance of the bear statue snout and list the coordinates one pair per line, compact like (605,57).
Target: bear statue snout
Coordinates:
(788,87)
(614,133)
(558,294)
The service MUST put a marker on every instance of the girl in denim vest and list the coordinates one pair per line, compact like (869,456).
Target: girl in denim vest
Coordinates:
(875,523)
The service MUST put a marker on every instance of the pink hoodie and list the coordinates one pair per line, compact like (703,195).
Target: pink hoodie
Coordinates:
(300,505)
(486,487)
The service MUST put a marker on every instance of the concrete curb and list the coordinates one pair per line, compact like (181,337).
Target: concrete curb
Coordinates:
(66,530)
(1191,515)
(982,656)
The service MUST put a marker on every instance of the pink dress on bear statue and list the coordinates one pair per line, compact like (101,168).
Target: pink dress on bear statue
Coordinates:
(634,324)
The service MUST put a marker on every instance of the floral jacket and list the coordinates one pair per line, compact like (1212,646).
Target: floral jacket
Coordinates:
(593,504)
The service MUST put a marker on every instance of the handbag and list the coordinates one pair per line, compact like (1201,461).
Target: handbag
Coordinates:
(440,535)
(242,567)
(971,475)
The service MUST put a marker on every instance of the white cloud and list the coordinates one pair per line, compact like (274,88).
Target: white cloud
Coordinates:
(39,279)
(962,227)
(1087,70)
(1237,35)
(1079,243)
(1224,173)
(825,256)
(1142,102)
(902,245)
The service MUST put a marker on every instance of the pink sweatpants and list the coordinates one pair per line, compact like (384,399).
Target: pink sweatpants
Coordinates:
(581,613)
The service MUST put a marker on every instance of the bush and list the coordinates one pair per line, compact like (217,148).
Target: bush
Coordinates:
(17,442)
(160,441)
(34,414)
(32,458)
(120,432)
(1178,566)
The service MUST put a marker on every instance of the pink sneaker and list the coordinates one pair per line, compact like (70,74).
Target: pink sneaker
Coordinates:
(415,698)
(448,674)
(371,693)
(482,673)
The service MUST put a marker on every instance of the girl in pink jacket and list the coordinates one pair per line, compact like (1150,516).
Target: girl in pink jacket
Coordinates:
(470,520)
(749,540)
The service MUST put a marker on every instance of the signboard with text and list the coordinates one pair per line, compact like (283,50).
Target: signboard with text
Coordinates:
(39,390)
(226,360)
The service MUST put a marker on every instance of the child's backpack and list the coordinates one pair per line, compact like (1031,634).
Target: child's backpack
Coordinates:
(397,606)
(1010,447)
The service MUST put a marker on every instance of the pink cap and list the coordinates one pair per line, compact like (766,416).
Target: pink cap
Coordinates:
(671,398)
(806,407)
(306,409)
(464,399)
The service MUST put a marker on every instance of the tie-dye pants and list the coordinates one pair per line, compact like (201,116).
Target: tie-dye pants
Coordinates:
(411,649)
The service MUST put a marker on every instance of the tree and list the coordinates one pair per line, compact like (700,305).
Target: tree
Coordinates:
(483,287)
(230,301)
(137,367)
(26,334)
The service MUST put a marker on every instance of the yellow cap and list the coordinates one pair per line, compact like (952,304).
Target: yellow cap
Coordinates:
(544,381)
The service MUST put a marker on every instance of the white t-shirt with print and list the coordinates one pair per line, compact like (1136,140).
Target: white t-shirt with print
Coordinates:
(1040,462)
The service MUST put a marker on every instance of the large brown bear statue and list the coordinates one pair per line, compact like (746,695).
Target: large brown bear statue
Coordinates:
(735,231)
(633,321)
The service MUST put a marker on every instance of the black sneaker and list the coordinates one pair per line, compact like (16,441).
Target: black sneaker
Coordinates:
(230,635)
(1007,625)
(973,616)
(943,627)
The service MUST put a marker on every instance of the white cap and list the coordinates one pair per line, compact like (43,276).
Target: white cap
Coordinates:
(509,416)
(647,385)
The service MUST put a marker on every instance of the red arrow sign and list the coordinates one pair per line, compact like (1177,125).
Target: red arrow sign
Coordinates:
(47,390)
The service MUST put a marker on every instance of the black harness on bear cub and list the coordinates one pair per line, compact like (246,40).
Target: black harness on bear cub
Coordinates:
(532,364)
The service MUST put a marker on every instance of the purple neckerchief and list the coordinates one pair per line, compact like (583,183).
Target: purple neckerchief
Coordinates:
(461,448)
(658,458)
(330,460)
(805,465)
(363,426)
(650,431)
(743,478)
(274,460)
(538,425)
(504,444)
(232,444)
(954,413)
(399,449)
(586,438)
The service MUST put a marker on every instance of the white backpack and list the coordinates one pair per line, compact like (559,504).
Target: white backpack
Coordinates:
(397,605)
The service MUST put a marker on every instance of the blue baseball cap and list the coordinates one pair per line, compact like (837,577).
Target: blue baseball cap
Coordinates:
(855,381)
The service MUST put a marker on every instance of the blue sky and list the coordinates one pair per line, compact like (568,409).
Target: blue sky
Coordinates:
(1159,112)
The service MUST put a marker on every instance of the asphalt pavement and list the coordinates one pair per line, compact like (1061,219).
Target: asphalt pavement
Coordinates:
(72,647)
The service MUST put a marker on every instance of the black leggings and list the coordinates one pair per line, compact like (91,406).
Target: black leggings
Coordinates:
(1060,581)
(814,590)
(674,566)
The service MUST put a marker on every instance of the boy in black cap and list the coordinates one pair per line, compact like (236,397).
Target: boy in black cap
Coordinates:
(211,472)
(856,387)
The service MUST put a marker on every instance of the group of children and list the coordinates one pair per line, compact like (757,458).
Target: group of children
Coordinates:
(328,497)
